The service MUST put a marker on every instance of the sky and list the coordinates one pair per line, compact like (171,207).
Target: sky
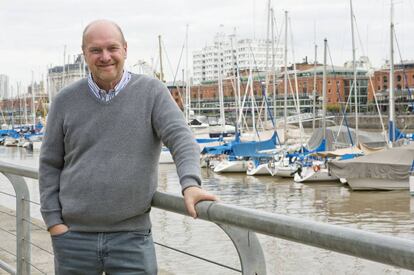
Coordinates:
(34,34)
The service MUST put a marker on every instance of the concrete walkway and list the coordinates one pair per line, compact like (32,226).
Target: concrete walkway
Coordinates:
(42,258)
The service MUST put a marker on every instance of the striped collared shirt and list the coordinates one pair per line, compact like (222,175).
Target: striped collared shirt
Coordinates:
(108,96)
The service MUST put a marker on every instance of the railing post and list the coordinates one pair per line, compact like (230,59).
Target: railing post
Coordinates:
(248,247)
(22,225)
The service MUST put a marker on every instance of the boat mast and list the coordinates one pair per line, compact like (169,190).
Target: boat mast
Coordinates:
(25,108)
(285,80)
(324,89)
(251,78)
(267,59)
(314,88)
(355,74)
(187,80)
(220,84)
(64,67)
(391,119)
(160,53)
(237,78)
(273,70)
(20,103)
(33,104)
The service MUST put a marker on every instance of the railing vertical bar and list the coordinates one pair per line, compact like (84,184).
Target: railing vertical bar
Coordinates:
(23,249)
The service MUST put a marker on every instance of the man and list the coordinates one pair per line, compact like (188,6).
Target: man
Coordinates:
(99,162)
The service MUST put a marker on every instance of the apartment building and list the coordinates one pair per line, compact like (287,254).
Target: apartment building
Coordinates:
(228,53)
(4,87)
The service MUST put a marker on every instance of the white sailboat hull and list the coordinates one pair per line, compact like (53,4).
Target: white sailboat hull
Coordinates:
(310,175)
(285,171)
(377,184)
(235,166)
(261,169)
(9,141)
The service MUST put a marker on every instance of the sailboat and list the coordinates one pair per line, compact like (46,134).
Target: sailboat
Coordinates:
(313,168)
(385,170)
(235,155)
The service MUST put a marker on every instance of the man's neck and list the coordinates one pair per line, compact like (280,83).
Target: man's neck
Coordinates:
(107,86)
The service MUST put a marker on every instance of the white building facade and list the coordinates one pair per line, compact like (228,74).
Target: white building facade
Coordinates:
(4,87)
(61,76)
(230,54)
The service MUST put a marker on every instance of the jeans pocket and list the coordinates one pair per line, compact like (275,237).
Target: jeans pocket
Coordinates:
(60,235)
(144,234)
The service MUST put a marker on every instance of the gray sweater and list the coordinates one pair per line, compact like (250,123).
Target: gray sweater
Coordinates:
(99,161)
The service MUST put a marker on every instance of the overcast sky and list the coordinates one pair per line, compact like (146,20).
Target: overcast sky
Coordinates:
(33,33)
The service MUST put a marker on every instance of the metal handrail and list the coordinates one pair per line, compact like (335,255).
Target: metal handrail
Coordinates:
(372,246)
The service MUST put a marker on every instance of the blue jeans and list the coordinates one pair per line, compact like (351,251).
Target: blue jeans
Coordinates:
(118,253)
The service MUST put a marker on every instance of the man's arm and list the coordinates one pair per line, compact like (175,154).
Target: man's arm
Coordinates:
(50,167)
(171,127)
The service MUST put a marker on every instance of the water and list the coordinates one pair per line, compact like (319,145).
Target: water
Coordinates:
(390,213)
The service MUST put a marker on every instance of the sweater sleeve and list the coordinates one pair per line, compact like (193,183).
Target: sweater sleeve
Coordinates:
(169,124)
(50,166)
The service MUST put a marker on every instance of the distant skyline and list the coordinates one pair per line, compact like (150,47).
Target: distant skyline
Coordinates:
(33,34)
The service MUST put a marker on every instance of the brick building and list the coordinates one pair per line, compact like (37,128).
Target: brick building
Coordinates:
(403,77)
(339,83)
(403,85)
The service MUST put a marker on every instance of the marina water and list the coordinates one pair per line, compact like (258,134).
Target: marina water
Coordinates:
(390,213)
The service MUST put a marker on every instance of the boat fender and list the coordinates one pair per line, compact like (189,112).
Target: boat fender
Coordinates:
(250,166)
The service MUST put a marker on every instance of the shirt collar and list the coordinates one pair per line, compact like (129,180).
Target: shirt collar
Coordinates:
(107,95)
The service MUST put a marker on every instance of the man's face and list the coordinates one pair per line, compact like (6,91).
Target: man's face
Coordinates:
(105,53)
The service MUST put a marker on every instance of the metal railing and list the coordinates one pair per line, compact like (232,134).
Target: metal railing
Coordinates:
(240,224)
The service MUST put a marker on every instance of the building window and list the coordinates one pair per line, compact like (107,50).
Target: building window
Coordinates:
(384,79)
(398,77)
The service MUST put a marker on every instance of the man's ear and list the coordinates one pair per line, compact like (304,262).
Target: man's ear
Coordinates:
(126,50)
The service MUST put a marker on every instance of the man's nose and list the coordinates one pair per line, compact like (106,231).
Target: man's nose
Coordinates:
(105,56)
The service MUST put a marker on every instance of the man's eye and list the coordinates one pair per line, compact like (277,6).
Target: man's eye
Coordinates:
(94,51)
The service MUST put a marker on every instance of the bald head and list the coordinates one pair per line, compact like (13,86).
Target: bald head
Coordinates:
(105,51)
(99,25)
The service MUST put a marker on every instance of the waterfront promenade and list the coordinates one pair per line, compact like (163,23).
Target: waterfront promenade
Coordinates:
(42,258)
(388,213)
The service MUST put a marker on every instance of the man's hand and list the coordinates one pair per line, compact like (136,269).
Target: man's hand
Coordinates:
(58,229)
(193,195)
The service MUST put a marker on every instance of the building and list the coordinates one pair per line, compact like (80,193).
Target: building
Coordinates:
(339,91)
(60,76)
(230,53)
(339,86)
(4,87)
(403,85)
(403,77)
(362,63)
(25,108)
(37,89)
